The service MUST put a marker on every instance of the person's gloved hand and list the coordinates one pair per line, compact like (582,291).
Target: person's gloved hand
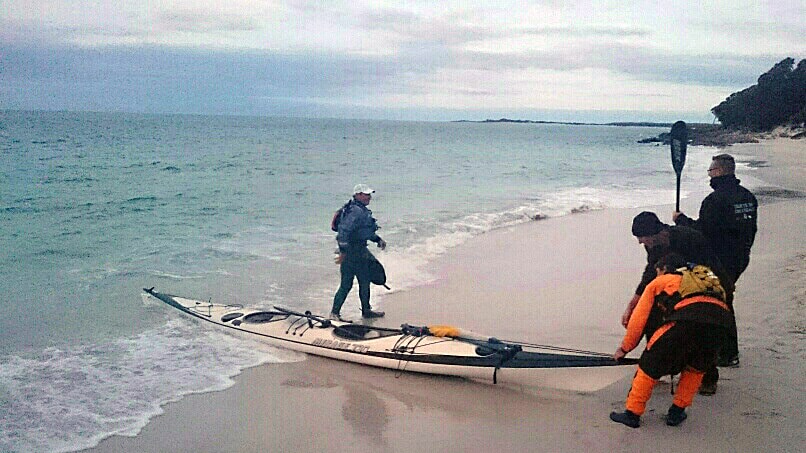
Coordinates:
(382,244)
(625,318)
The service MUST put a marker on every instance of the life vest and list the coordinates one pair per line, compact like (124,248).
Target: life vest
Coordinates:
(334,223)
(697,280)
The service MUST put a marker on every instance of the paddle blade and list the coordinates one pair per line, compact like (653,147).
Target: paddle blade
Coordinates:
(679,140)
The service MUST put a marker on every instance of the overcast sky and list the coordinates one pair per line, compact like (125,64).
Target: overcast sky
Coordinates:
(430,60)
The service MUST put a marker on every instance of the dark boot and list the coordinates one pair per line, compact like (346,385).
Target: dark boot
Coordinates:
(708,389)
(708,386)
(676,415)
(373,314)
(337,317)
(626,418)
(729,361)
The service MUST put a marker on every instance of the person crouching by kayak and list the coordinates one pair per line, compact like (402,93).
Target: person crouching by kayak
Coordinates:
(356,226)
(660,239)
(695,322)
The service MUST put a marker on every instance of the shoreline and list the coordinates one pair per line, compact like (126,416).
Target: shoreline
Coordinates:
(700,134)
(562,280)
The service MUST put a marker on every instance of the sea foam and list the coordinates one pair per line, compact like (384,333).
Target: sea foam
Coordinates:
(69,399)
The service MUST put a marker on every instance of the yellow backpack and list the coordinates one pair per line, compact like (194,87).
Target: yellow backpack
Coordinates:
(700,280)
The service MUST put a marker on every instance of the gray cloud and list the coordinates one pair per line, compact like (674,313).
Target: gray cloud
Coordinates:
(459,28)
(199,22)
(187,80)
(196,81)
(586,31)
(407,53)
(643,63)
(429,44)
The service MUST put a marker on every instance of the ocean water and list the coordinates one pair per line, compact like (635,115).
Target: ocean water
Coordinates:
(96,206)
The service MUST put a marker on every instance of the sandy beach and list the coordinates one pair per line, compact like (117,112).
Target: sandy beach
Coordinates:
(562,281)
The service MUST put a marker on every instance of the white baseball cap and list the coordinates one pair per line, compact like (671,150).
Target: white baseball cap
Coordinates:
(362,188)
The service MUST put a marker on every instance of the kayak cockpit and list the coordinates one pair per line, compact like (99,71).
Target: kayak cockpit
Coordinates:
(357,332)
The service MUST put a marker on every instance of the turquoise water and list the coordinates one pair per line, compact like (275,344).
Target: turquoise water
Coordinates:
(96,206)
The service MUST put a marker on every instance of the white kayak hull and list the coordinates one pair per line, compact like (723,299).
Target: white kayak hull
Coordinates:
(486,360)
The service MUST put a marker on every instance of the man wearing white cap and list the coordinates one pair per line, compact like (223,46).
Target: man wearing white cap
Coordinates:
(355,227)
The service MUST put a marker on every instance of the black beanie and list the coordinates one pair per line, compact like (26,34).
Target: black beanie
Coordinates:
(647,224)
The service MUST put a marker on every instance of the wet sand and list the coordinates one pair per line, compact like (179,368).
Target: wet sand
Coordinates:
(562,281)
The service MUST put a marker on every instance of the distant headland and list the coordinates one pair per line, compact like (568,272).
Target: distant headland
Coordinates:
(507,120)
(700,134)
(774,107)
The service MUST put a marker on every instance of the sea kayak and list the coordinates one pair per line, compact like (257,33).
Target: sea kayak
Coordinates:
(434,350)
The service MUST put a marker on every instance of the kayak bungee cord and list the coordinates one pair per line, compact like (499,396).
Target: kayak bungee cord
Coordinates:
(400,350)
(209,307)
(294,326)
(301,325)
(199,306)
(303,319)
(417,334)
(557,348)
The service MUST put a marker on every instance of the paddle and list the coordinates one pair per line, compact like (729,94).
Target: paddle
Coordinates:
(324,322)
(678,139)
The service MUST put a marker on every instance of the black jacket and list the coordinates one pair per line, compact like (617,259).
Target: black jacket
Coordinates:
(694,248)
(728,219)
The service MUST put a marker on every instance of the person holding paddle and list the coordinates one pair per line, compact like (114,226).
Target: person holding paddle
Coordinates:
(355,226)
(728,219)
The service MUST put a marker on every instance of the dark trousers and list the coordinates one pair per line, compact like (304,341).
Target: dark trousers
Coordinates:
(730,345)
(355,265)
(686,345)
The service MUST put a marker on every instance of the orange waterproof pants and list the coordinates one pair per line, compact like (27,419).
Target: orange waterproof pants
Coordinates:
(640,392)
(642,385)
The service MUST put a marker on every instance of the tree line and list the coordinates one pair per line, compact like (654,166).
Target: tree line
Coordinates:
(779,98)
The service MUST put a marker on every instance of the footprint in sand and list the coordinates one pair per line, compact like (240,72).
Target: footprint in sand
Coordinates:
(761,415)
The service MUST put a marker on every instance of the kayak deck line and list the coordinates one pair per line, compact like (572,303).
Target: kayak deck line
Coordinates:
(408,348)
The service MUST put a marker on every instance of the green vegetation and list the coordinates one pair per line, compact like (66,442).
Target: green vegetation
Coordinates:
(779,99)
